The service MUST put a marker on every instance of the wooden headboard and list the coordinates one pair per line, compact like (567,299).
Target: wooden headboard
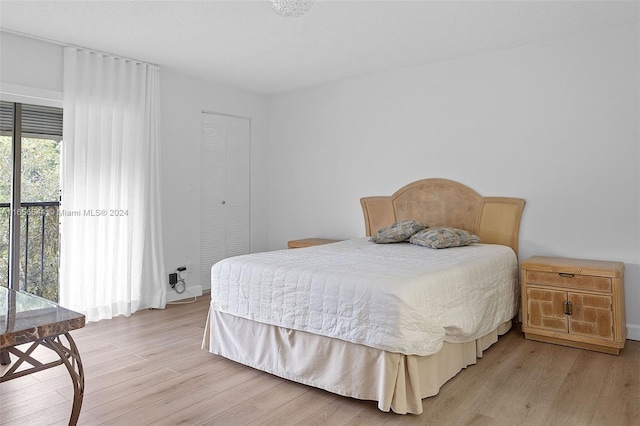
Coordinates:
(442,202)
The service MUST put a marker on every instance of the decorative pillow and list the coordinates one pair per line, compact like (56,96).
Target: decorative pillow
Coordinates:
(398,232)
(441,237)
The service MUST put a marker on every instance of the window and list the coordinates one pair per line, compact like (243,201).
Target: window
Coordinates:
(30,189)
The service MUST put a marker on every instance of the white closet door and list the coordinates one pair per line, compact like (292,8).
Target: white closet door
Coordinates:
(225,189)
(237,186)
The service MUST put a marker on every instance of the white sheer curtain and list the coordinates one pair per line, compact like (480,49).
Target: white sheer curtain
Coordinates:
(111,252)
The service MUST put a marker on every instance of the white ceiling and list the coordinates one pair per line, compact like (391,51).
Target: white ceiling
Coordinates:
(245,44)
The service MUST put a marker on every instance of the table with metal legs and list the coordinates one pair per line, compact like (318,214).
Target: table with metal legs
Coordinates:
(28,322)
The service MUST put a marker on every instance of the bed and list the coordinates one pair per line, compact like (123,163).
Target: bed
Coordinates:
(355,318)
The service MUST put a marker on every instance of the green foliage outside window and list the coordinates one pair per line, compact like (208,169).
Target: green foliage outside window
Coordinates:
(40,183)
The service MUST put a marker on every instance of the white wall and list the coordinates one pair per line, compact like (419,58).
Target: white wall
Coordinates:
(183,99)
(36,67)
(556,124)
(31,63)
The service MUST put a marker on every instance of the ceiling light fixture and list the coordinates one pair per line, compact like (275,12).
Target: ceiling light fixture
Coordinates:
(291,8)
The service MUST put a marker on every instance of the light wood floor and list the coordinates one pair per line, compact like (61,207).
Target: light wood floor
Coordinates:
(149,369)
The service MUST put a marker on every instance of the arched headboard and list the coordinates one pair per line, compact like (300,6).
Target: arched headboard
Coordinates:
(443,202)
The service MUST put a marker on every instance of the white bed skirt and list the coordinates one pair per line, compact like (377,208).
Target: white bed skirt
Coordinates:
(398,382)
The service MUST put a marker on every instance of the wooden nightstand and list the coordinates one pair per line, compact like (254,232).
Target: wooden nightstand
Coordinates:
(574,302)
(308,242)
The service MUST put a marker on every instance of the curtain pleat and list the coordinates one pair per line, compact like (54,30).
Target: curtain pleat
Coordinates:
(111,254)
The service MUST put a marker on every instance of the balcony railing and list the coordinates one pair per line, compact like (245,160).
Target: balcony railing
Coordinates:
(39,247)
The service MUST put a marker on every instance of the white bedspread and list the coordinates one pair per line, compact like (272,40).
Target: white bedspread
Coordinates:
(394,297)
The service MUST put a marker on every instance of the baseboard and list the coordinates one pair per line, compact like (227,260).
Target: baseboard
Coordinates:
(189,293)
(633,332)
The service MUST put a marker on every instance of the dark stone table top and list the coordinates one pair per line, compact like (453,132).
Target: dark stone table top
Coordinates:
(26,318)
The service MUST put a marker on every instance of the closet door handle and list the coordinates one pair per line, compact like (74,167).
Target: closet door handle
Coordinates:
(224,202)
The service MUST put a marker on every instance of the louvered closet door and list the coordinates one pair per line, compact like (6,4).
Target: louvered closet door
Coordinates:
(225,182)
(237,186)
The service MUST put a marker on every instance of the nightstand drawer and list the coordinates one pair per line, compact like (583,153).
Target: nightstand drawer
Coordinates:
(309,242)
(579,282)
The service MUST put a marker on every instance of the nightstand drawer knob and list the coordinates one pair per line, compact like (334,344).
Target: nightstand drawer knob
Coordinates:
(568,308)
(562,274)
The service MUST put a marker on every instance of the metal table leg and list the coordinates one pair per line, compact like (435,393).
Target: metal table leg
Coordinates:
(70,357)
(5,359)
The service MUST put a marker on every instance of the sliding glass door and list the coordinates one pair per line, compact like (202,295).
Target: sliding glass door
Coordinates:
(30,142)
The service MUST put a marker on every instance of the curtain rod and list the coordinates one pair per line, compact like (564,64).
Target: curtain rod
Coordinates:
(63,44)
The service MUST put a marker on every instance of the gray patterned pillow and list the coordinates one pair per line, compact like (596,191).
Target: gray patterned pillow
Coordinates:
(398,232)
(439,238)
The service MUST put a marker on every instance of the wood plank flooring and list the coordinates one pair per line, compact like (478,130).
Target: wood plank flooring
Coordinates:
(149,369)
